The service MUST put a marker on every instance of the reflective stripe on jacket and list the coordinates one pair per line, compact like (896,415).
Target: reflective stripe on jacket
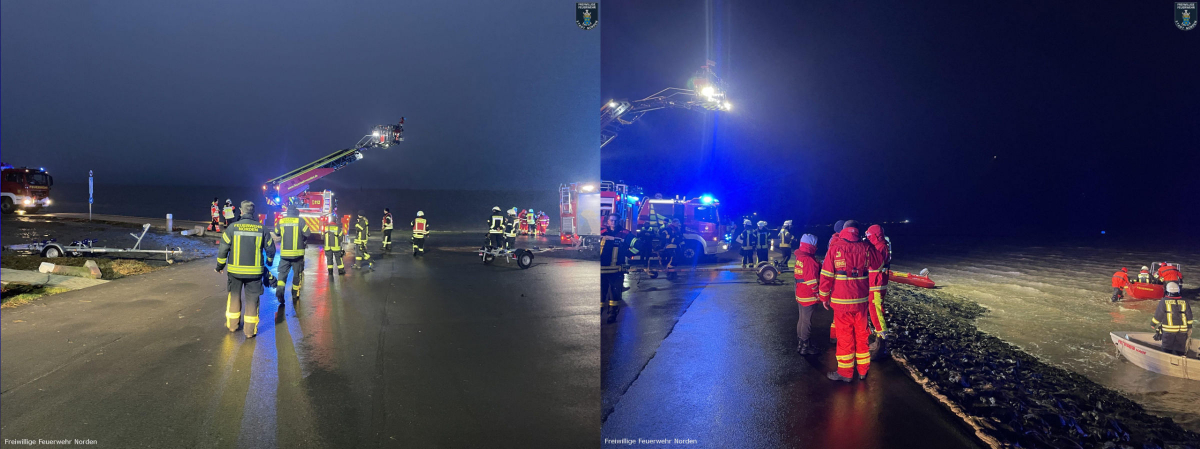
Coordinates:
(333,237)
(1173,315)
(242,246)
(292,232)
(420,227)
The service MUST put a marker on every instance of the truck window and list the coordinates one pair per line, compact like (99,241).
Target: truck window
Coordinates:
(12,177)
(706,214)
(39,179)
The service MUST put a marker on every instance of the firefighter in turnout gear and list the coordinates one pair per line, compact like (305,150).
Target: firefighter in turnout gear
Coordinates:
(879,282)
(292,234)
(531,222)
(420,229)
(333,246)
(762,243)
(496,228)
(785,242)
(612,268)
(362,231)
(1172,320)
(215,211)
(1144,275)
(387,229)
(511,228)
(227,213)
(672,237)
(242,246)
(807,274)
(747,238)
(543,223)
(846,284)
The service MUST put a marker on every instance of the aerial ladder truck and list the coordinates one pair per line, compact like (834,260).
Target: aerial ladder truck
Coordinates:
(318,208)
(705,92)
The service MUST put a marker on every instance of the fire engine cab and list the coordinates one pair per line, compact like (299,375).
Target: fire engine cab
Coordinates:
(24,189)
(704,229)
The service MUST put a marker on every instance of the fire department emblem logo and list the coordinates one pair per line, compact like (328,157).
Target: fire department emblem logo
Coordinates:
(1185,15)
(587,15)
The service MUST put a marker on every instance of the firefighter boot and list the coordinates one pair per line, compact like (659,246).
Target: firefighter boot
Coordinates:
(833,375)
(802,347)
(612,313)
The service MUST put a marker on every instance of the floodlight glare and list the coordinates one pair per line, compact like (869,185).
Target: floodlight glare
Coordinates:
(588,187)
(708,91)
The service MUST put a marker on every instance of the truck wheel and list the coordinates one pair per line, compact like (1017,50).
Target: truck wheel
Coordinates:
(7,206)
(767,273)
(525,259)
(51,252)
(690,254)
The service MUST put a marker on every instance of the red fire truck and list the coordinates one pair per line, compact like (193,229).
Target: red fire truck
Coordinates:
(706,233)
(24,189)
(318,208)
(579,208)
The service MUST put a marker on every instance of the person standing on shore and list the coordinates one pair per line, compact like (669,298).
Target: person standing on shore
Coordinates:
(215,211)
(362,231)
(333,246)
(1119,280)
(531,222)
(785,242)
(845,283)
(762,243)
(227,213)
(387,229)
(837,229)
(543,223)
(242,246)
(292,234)
(879,281)
(420,228)
(747,239)
(511,228)
(807,274)
(612,268)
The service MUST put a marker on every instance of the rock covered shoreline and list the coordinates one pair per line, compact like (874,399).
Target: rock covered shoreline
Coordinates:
(1009,396)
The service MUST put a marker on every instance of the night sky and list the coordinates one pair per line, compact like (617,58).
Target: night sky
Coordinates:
(1014,117)
(495,95)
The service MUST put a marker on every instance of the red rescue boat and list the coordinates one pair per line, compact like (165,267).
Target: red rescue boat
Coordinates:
(1141,291)
(911,279)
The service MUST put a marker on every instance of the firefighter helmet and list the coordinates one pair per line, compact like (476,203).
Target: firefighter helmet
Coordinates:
(762,224)
(420,213)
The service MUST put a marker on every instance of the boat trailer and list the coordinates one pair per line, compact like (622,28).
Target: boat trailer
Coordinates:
(51,248)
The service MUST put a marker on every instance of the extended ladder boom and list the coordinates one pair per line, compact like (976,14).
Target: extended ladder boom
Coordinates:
(279,189)
(707,96)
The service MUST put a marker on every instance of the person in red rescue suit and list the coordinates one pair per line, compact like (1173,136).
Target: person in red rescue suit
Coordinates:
(837,229)
(1119,280)
(543,223)
(1169,273)
(215,211)
(807,272)
(524,227)
(879,281)
(846,284)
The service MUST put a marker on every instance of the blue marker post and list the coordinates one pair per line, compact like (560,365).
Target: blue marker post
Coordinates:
(89,195)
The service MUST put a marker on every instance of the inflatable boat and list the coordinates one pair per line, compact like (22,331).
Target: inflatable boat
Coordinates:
(919,280)
(1141,291)
(1141,349)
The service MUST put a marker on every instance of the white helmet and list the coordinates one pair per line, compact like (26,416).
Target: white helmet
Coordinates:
(1173,288)
(496,209)
(762,224)
(787,223)
(512,211)
(746,222)
(1145,268)
(420,213)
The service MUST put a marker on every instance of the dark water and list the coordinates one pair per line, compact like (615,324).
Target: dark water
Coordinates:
(447,210)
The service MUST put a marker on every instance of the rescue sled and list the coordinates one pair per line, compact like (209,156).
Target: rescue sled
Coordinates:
(1141,349)
(919,280)
(1141,291)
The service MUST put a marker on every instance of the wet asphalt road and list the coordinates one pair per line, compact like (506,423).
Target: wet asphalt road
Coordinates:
(436,351)
(711,358)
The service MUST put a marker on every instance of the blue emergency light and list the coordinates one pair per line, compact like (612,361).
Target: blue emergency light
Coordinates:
(706,199)
(633,199)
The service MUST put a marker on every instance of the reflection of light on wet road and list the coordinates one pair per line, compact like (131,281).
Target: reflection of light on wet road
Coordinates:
(259,413)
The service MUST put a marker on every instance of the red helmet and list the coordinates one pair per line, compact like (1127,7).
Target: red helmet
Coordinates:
(1124,269)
